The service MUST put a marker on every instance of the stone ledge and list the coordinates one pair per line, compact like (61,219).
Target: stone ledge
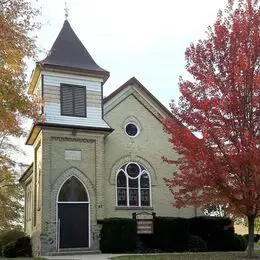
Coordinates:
(133,208)
(74,251)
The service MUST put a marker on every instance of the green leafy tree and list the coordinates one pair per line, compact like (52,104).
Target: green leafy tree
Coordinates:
(10,200)
(17,25)
(245,223)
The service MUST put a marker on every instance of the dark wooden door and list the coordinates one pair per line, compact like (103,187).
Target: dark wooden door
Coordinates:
(74,229)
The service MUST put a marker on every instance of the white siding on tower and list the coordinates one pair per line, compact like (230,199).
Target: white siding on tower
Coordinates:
(52,106)
(93,119)
(55,79)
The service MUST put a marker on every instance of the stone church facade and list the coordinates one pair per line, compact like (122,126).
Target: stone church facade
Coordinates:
(94,157)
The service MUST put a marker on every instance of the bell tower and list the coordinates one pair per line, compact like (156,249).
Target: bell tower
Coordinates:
(68,148)
(70,83)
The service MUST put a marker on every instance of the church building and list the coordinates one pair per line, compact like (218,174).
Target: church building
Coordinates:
(95,157)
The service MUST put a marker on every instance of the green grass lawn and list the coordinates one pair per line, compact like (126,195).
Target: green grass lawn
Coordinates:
(186,256)
(24,258)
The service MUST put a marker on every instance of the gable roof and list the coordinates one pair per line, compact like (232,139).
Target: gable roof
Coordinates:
(68,52)
(26,174)
(138,84)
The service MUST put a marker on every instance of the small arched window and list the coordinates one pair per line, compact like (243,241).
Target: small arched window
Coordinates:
(133,186)
(28,204)
(39,195)
(72,191)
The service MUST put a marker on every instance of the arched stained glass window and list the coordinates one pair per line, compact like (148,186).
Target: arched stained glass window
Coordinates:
(121,179)
(145,189)
(133,186)
(133,170)
(145,182)
(72,190)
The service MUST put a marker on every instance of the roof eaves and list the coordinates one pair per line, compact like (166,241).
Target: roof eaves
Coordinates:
(102,129)
(105,74)
(27,171)
(136,82)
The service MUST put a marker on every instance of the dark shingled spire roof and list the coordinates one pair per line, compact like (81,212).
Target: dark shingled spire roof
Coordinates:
(68,52)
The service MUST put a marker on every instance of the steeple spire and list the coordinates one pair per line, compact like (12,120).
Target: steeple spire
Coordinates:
(69,53)
(66,9)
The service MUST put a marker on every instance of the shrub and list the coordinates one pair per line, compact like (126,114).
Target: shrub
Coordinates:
(8,250)
(215,231)
(196,244)
(20,247)
(118,235)
(171,234)
(239,243)
(9,236)
(256,237)
(24,246)
(148,241)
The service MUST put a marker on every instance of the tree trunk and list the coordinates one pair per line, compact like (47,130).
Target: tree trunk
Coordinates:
(250,250)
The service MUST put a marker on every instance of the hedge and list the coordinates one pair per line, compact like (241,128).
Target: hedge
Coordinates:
(171,234)
(9,236)
(196,244)
(118,235)
(256,237)
(216,231)
(20,247)
(239,243)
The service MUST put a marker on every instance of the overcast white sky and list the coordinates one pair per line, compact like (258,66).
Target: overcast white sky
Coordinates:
(142,38)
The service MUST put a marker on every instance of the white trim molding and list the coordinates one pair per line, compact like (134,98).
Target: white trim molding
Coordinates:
(89,187)
(142,171)
(138,159)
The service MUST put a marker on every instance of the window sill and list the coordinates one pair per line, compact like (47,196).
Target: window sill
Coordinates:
(72,115)
(133,208)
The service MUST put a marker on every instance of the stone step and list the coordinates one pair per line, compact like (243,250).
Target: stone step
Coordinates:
(74,251)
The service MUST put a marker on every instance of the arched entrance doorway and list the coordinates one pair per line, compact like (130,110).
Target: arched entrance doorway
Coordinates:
(73,215)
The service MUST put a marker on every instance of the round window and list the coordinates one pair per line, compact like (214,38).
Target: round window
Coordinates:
(131,129)
(133,170)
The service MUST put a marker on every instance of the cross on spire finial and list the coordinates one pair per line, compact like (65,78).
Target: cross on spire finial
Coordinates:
(66,11)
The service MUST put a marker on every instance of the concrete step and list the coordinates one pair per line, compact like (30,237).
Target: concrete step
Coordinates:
(73,251)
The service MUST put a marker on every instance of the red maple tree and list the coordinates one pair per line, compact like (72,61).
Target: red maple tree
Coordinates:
(220,162)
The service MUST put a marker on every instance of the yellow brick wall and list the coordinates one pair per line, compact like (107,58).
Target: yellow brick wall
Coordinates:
(56,170)
(147,149)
